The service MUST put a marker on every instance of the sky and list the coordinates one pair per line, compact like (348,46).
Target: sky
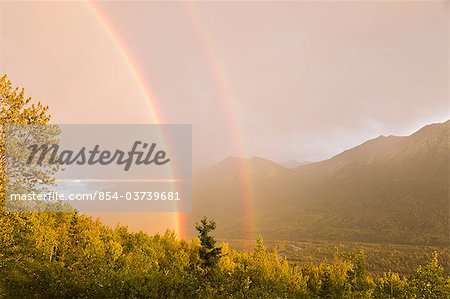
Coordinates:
(280,80)
(285,81)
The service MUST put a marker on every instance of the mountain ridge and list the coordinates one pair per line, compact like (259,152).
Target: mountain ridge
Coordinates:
(387,189)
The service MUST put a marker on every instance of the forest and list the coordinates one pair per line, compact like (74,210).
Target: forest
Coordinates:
(68,255)
(71,255)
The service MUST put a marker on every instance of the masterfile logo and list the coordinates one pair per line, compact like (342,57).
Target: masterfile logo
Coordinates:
(98,167)
(146,156)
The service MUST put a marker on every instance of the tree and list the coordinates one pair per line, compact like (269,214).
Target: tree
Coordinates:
(15,108)
(20,233)
(429,281)
(209,252)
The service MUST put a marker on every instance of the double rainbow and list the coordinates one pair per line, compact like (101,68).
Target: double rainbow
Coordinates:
(225,96)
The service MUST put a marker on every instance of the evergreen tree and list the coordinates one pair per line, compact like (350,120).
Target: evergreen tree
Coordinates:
(209,252)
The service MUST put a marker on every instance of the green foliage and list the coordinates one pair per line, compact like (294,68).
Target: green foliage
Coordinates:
(391,285)
(209,252)
(379,258)
(429,281)
(17,109)
(68,255)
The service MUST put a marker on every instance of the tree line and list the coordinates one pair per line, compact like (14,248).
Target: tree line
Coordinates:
(69,255)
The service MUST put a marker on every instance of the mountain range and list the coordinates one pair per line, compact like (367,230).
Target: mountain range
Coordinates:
(392,189)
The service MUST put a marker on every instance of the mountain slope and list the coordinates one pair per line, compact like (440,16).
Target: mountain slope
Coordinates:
(293,163)
(389,189)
